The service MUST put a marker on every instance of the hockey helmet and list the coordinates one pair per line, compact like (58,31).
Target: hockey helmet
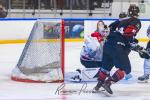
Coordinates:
(122,15)
(133,10)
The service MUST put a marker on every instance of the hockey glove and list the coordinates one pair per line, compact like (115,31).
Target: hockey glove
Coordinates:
(144,53)
(136,47)
(134,44)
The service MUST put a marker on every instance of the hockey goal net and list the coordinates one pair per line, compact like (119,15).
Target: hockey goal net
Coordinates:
(42,59)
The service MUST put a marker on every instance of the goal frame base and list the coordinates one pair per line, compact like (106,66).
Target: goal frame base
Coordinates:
(33,81)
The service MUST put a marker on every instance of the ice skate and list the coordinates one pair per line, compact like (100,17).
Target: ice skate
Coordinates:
(106,86)
(128,77)
(143,78)
(98,86)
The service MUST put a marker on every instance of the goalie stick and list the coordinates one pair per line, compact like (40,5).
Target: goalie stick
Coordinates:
(40,69)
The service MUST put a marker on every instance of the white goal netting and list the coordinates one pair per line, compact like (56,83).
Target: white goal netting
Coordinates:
(41,59)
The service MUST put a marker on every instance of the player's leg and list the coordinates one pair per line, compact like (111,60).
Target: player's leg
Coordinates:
(107,65)
(98,63)
(145,77)
(128,73)
(89,73)
(102,75)
(90,64)
(121,61)
(117,76)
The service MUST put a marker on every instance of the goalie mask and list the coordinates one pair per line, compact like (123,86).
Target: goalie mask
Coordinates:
(106,31)
(133,11)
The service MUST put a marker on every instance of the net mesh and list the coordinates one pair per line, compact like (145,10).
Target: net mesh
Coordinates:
(41,57)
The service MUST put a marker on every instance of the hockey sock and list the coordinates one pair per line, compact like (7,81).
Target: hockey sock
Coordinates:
(118,75)
(102,75)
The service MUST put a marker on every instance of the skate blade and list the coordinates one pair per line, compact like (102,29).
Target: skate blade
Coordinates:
(144,81)
(104,92)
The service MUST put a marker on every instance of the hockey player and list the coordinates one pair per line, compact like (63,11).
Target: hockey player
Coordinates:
(116,50)
(113,26)
(145,77)
(91,53)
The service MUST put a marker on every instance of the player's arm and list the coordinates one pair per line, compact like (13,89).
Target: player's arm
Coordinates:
(101,35)
(129,32)
(144,53)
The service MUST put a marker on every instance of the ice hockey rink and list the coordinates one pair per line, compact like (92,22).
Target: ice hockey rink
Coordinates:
(11,90)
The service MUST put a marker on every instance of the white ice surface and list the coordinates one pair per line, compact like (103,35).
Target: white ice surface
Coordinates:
(11,90)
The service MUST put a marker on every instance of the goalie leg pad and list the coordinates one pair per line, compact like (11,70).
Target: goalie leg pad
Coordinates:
(89,74)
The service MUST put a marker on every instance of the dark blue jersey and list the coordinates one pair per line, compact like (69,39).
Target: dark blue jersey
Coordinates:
(114,25)
(125,32)
(130,26)
(117,47)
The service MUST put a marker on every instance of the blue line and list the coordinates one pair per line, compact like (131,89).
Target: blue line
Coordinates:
(24,19)
(81,19)
(16,19)
(66,19)
(145,19)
